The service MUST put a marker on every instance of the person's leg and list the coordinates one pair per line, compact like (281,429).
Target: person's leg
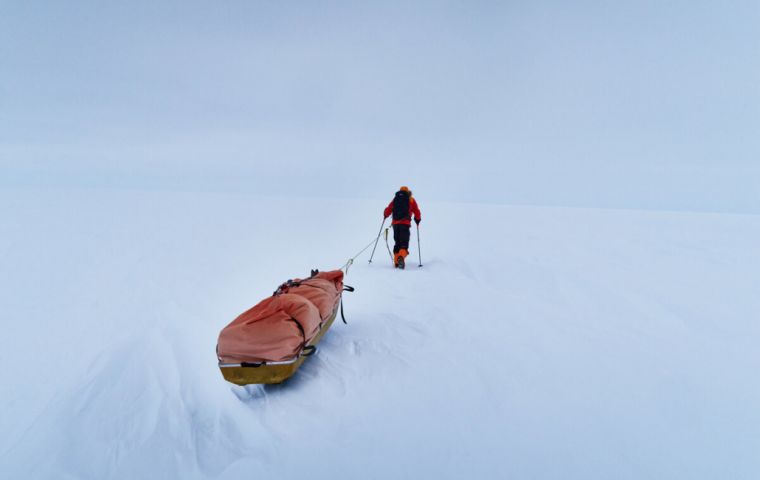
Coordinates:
(397,234)
(403,240)
(396,240)
(401,244)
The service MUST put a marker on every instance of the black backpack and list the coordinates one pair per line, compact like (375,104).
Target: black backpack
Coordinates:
(401,206)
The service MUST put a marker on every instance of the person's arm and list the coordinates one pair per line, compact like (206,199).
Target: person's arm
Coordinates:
(388,210)
(416,212)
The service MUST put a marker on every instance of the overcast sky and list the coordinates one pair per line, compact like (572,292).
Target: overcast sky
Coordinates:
(646,104)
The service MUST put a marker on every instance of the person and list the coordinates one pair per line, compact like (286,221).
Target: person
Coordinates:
(402,207)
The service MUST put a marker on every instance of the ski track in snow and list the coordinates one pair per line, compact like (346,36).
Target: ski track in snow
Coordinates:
(534,343)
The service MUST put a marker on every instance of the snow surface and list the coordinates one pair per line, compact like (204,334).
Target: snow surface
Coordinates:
(535,343)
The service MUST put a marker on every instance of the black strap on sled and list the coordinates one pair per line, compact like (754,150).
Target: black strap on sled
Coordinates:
(346,288)
(309,350)
(251,365)
(290,283)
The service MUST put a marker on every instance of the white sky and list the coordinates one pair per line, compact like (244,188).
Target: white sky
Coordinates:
(647,104)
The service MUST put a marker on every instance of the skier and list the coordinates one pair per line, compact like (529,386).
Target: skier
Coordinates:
(402,207)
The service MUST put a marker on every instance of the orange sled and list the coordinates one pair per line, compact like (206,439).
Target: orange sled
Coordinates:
(267,343)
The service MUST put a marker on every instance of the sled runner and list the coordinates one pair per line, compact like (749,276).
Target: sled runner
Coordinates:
(267,343)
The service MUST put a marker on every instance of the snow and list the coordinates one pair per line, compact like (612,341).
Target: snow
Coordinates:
(534,343)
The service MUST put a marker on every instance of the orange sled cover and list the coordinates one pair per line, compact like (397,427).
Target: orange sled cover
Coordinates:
(278,328)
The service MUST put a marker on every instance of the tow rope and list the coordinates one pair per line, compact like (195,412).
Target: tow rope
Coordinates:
(388,246)
(350,261)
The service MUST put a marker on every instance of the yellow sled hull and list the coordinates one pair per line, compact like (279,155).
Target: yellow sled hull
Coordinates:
(268,373)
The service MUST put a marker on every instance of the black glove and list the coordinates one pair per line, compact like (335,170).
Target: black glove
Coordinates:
(417,221)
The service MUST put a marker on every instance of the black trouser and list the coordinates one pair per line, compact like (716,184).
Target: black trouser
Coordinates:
(401,237)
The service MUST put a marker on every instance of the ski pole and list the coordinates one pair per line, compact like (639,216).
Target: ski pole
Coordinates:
(378,238)
(419,250)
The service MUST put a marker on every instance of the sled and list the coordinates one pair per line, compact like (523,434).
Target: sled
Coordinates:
(269,342)
(272,372)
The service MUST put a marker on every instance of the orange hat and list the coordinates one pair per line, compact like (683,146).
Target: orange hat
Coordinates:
(404,189)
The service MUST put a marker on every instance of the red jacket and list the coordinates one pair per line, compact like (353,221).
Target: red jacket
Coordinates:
(413,209)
